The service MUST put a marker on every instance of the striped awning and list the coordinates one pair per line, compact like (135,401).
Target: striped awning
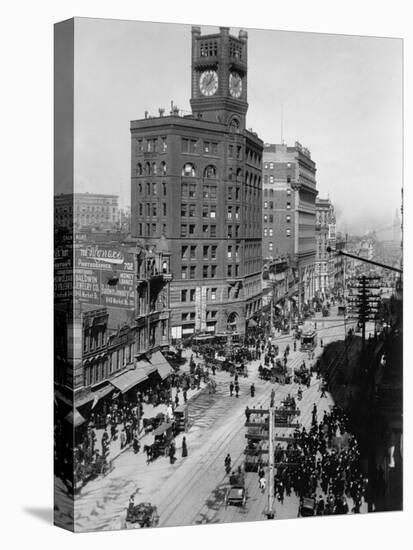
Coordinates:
(161,364)
(129,379)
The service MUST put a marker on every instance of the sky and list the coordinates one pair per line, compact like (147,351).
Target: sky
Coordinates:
(341,97)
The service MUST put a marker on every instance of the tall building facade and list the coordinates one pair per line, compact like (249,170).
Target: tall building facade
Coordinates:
(196,181)
(289,215)
(87,210)
(325,238)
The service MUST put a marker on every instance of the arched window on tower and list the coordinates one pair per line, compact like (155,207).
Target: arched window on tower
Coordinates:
(139,170)
(188,170)
(239,175)
(234,125)
(154,168)
(210,172)
(163,168)
(148,169)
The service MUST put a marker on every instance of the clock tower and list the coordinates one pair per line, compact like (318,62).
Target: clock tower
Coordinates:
(219,77)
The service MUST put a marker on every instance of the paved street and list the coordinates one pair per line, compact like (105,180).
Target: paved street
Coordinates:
(192,490)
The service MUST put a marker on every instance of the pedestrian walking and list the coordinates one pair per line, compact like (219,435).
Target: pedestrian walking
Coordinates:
(272,398)
(261,484)
(252,389)
(172,451)
(184,448)
(231,388)
(247,414)
(236,389)
(122,438)
(295,345)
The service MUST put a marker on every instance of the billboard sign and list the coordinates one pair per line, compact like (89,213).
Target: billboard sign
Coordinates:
(104,275)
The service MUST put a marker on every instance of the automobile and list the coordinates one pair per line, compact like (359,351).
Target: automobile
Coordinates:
(236,493)
(307,507)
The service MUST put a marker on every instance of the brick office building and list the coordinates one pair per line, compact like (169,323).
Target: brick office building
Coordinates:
(196,181)
(289,194)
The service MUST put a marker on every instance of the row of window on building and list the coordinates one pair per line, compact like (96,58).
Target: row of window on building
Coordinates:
(152,188)
(188,210)
(188,294)
(270,205)
(152,209)
(210,230)
(269,193)
(189,170)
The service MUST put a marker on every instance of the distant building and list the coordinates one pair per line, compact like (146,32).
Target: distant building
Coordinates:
(289,194)
(325,238)
(196,180)
(87,211)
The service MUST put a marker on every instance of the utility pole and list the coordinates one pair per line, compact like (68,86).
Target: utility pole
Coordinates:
(366,302)
(271,511)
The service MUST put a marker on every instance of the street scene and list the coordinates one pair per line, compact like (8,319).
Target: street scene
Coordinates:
(228,333)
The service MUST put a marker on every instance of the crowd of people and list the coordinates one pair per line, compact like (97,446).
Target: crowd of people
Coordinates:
(323,464)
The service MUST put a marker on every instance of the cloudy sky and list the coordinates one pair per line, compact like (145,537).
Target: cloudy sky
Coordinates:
(341,97)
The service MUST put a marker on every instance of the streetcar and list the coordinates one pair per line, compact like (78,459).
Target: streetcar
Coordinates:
(308,340)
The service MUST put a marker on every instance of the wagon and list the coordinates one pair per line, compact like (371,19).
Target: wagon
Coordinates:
(143,514)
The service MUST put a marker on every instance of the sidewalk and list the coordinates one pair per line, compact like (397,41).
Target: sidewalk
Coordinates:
(149,411)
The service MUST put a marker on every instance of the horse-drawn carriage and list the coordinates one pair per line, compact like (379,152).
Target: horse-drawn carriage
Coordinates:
(325,311)
(302,376)
(163,436)
(150,424)
(143,514)
(86,471)
(276,374)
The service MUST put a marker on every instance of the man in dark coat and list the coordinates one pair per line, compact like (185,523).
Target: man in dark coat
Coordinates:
(236,389)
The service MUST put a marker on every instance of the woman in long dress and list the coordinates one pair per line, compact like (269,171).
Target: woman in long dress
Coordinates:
(184,448)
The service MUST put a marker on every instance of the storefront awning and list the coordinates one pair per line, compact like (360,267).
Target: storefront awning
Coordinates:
(129,379)
(102,392)
(161,364)
(75,418)
(79,402)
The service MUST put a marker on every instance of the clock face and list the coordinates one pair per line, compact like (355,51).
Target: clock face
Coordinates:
(208,83)
(235,85)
